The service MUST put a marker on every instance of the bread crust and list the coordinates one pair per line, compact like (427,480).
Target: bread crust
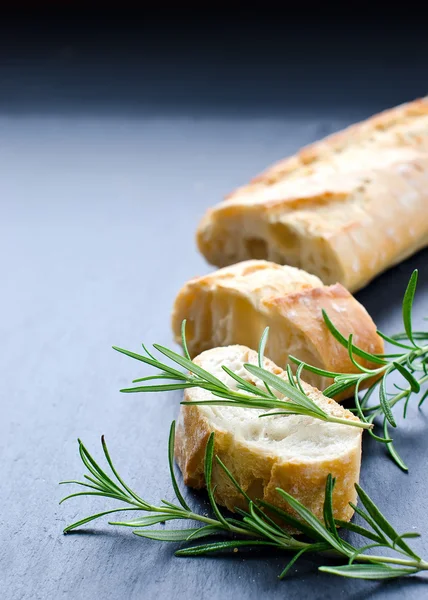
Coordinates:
(344,208)
(235,304)
(258,471)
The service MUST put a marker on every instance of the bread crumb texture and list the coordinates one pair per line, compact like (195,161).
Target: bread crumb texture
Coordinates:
(295,453)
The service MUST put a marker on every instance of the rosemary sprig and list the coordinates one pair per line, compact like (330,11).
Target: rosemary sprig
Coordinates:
(253,527)
(291,399)
(409,360)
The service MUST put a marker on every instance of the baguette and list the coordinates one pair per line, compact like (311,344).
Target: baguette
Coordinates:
(295,453)
(345,208)
(235,304)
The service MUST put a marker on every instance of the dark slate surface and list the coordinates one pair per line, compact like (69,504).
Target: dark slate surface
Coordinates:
(99,204)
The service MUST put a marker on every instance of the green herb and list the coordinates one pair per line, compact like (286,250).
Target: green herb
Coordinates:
(246,394)
(253,527)
(410,361)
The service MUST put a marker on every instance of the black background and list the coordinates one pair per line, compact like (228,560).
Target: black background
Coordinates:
(192,61)
(117,131)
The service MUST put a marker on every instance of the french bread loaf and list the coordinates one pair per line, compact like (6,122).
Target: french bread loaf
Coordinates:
(345,208)
(235,304)
(295,453)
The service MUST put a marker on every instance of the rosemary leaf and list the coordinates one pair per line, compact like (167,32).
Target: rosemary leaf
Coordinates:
(209,453)
(167,535)
(358,529)
(149,361)
(342,340)
(190,365)
(168,387)
(288,390)
(377,571)
(221,546)
(383,398)
(391,448)
(291,563)
(183,340)
(171,467)
(246,385)
(311,520)
(382,522)
(145,521)
(414,384)
(407,305)
(260,356)
(328,507)
(93,517)
(394,340)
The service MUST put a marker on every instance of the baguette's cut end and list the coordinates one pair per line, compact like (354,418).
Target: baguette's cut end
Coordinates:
(294,453)
(234,305)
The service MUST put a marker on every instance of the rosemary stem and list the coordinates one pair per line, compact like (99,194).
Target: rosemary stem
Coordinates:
(422,565)
(296,545)
(209,387)
(398,397)
(195,517)
(187,515)
(215,522)
(360,424)
(413,353)
(403,394)
(232,528)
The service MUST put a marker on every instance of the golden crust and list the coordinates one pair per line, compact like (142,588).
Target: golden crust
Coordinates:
(259,471)
(350,135)
(235,304)
(344,208)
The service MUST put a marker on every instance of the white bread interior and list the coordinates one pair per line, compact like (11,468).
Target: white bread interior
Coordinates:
(295,453)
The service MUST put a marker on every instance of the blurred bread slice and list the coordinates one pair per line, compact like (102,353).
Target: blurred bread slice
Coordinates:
(295,453)
(344,208)
(235,304)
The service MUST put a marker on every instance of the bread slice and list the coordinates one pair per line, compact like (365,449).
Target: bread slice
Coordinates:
(344,208)
(235,304)
(295,453)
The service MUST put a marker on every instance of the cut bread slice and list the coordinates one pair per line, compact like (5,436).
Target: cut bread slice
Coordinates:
(235,304)
(295,453)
